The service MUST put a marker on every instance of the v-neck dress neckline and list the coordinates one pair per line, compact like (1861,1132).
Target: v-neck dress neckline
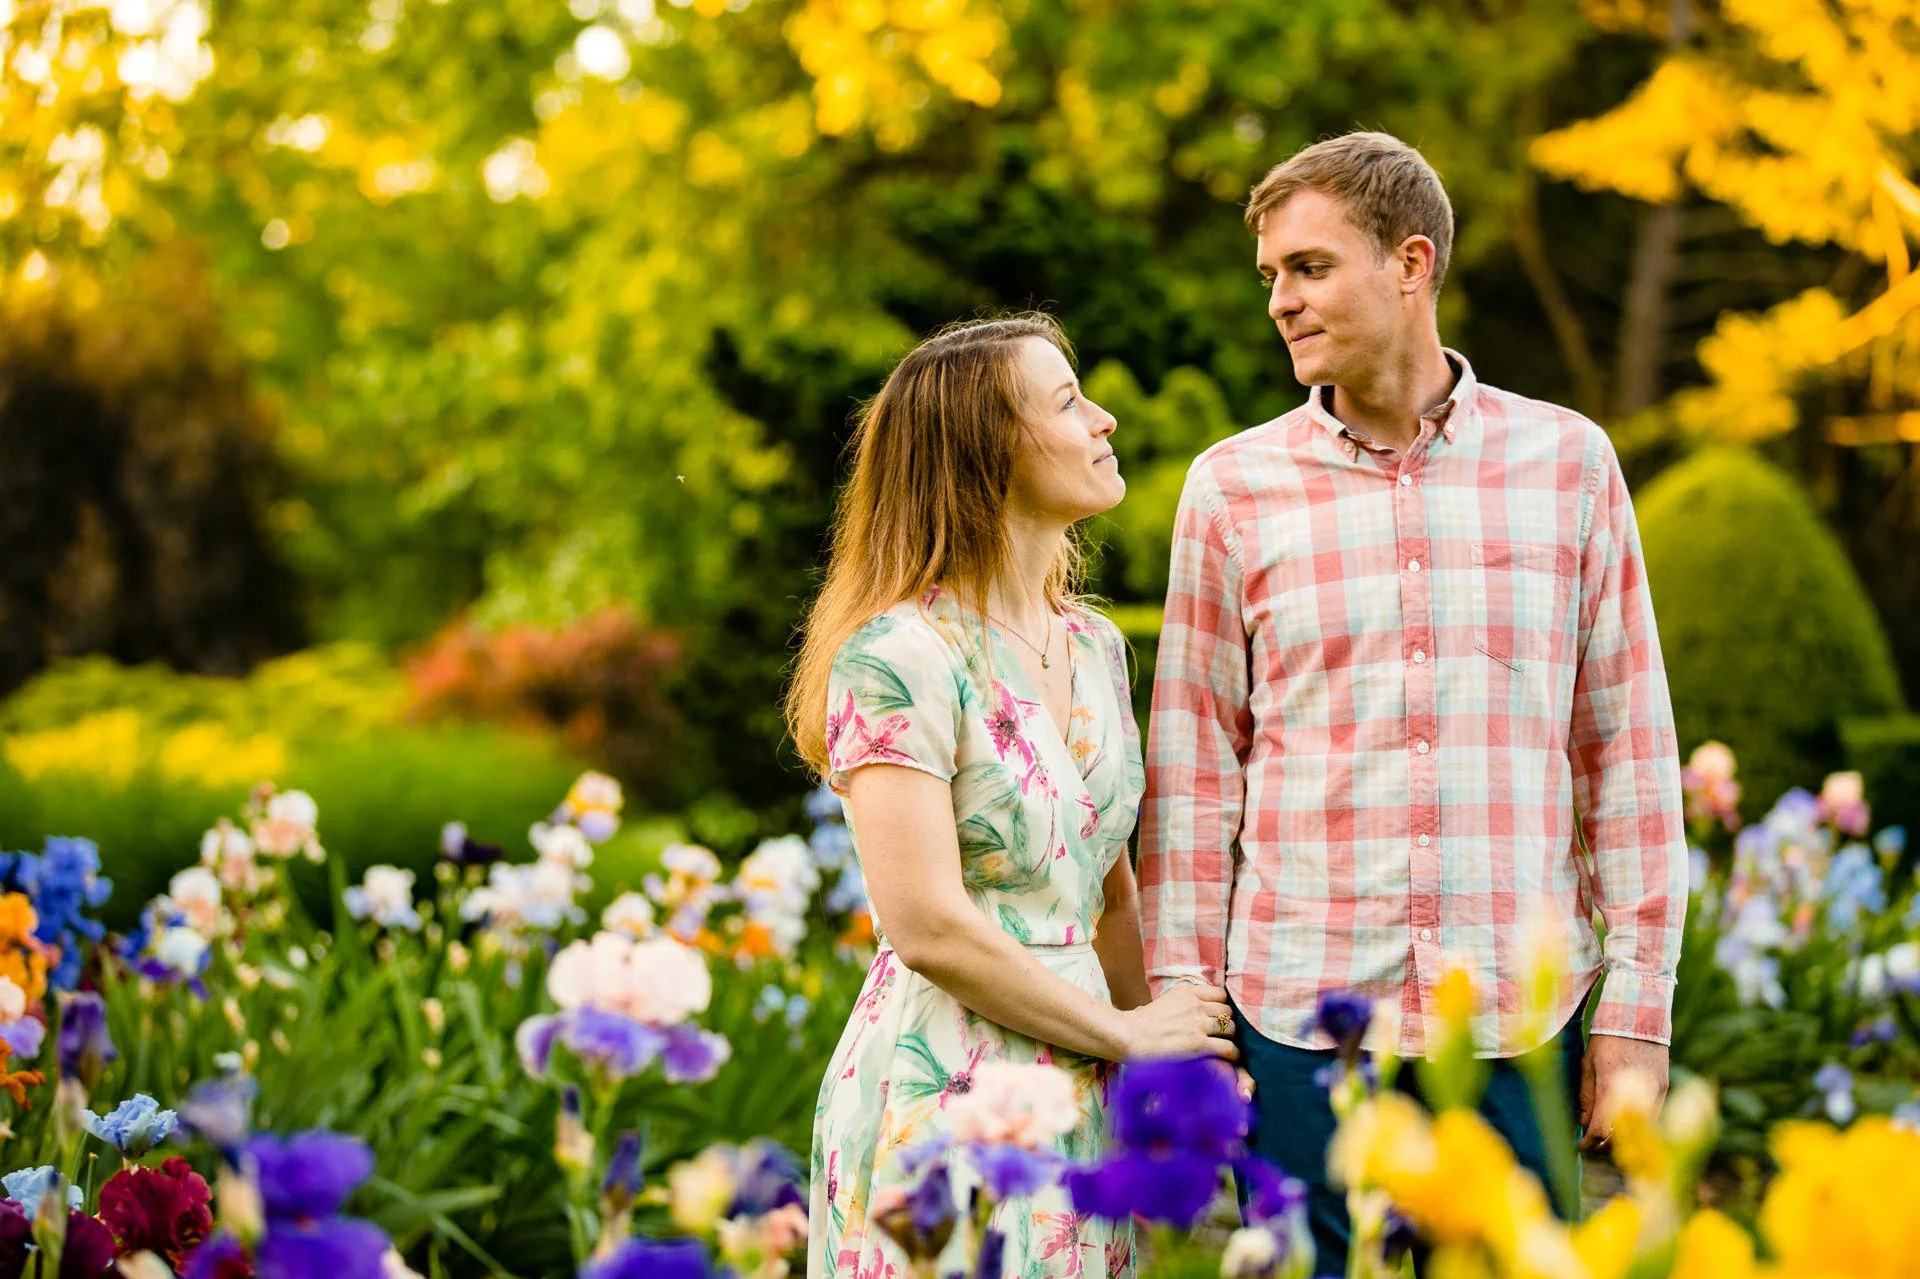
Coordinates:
(1028,691)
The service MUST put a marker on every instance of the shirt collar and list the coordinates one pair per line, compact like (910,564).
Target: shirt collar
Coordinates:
(1454,414)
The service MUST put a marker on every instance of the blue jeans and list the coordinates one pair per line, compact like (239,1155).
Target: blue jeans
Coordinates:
(1293,1121)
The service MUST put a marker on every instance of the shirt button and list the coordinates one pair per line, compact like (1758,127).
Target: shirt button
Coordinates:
(1413,566)
(1406,481)
(1425,840)
(1426,934)
(1420,746)
(1419,656)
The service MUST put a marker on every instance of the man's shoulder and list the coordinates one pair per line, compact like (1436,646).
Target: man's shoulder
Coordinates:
(1543,421)
(1227,464)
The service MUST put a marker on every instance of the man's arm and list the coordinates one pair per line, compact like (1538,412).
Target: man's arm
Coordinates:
(1199,735)
(1626,794)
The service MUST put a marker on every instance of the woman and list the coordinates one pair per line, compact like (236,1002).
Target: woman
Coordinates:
(977,724)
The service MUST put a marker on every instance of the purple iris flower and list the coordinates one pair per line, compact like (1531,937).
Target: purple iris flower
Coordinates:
(1173,1186)
(1397,1238)
(24,1039)
(621,1185)
(923,1223)
(220,1111)
(330,1248)
(1271,1195)
(1343,1017)
(457,848)
(993,1251)
(85,1045)
(1884,1030)
(309,1175)
(1015,1170)
(652,1259)
(218,1258)
(1190,1104)
(693,1055)
(604,1041)
(766,1176)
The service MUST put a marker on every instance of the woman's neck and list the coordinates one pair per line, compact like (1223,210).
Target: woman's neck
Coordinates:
(1019,598)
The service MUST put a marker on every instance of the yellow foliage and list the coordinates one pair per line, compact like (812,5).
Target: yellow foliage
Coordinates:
(106,745)
(874,63)
(207,754)
(114,746)
(1827,163)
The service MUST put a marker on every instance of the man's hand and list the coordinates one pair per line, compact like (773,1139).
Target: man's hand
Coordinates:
(1618,1071)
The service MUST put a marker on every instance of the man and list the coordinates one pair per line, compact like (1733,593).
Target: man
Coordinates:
(1408,669)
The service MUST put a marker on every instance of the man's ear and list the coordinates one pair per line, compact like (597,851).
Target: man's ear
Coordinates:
(1415,258)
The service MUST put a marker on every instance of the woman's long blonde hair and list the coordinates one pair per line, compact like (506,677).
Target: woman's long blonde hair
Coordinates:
(926,503)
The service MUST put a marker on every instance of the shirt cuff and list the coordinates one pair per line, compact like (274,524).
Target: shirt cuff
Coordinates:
(1635,1005)
(1166,978)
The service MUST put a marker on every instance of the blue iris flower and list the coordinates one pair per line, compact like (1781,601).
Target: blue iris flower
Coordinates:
(62,881)
(28,1187)
(134,1127)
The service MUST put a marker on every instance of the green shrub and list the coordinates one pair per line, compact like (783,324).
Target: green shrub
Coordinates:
(1769,638)
(1886,751)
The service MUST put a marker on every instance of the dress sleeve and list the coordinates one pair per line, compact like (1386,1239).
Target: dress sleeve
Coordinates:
(893,697)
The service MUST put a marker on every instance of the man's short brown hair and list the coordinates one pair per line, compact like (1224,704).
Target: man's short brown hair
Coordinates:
(1387,188)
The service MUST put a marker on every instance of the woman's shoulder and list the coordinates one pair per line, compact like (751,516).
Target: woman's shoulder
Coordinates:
(910,633)
(1086,618)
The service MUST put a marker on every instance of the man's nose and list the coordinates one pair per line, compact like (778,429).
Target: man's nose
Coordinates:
(1282,301)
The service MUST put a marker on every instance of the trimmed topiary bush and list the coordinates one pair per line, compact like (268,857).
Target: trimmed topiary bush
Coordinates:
(1769,638)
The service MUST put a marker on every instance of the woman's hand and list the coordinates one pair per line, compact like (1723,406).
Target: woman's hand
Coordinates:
(1190,1020)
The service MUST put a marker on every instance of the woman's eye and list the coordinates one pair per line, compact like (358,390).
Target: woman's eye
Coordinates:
(1071,401)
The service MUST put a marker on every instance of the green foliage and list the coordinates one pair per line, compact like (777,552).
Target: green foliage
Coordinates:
(1886,752)
(1768,637)
(1158,436)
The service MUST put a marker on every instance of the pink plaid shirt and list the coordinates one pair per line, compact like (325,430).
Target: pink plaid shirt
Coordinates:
(1395,695)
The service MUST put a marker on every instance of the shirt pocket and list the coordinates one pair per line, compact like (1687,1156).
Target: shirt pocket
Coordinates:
(1516,594)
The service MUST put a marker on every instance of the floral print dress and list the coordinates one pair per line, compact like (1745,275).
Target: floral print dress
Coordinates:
(1042,815)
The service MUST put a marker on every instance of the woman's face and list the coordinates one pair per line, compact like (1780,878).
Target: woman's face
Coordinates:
(1065,470)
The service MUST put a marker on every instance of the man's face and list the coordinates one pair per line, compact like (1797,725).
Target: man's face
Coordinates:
(1338,303)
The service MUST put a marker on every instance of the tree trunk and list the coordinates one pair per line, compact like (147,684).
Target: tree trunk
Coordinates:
(1656,257)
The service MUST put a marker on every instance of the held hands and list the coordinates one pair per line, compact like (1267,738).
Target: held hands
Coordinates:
(1190,1020)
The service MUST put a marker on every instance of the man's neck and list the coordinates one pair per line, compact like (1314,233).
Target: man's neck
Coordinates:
(1387,407)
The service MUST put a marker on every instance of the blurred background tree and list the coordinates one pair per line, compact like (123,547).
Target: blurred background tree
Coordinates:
(558,314)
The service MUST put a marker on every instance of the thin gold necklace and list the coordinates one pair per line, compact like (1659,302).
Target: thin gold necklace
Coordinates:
(1046,662)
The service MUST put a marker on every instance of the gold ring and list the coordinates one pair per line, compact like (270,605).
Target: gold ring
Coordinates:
(1225,1022)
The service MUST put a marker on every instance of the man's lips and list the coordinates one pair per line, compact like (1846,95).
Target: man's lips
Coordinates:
(1298,338)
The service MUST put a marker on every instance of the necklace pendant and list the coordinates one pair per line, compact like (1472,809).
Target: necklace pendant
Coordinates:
(1046,663)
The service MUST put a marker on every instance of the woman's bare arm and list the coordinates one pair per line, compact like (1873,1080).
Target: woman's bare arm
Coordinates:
(1116,938)
(910,855)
